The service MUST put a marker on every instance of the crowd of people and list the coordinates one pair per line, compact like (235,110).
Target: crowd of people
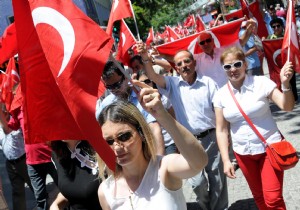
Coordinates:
(167,119)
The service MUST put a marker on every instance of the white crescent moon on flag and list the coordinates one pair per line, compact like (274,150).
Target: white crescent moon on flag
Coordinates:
(275,54)
(116,3)
(62,25)
(123,39)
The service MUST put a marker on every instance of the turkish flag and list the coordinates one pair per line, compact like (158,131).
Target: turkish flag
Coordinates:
(237,14)
(245,8)
(10,79)
(272,49)
(120,9)
(223,35)
(200,26)
(256,12)
(150,37)
(62,54)
(190,21)
(172,35)
(290,45)
(8,43)
(125,43)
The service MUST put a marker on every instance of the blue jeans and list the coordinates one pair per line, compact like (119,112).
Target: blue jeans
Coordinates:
(38,174)
(210,185)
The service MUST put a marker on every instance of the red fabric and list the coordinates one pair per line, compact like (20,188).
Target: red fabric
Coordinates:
(291,39)
(150,37)
(8,43)
(272,49)
(17,101)
(200,26)
(60,104)
(255,10)
(265,183)
(245,8)
(238,14)
(125,43)
(172,36)
(120,9)
(11,78)
(189,21)
(223,35)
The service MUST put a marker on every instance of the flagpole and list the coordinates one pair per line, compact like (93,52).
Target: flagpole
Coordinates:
(289,25)
(136,27)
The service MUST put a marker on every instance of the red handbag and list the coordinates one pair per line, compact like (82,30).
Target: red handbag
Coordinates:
(282,155)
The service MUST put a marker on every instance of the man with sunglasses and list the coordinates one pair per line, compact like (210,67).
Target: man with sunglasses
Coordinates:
(208,62)
(115,81)
(191,95)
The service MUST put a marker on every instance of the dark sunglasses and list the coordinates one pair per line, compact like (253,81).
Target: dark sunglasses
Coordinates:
(147,81)
(116,85)
(121,138)
(206,40)
(186,61)
(276,26)
(237,65)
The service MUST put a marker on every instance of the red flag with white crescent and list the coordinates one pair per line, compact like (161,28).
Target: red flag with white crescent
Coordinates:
(125,43)
(291,39)
(150,37)
(61,62)
(172,36)
(8,43)
(272,49)
(223,35)
(257,16)
(120,9)
(200,26)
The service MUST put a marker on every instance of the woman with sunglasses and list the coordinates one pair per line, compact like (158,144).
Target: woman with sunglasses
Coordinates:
(253,94)
(142,180)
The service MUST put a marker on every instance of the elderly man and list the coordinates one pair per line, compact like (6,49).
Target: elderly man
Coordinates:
(117,84)
(191,95)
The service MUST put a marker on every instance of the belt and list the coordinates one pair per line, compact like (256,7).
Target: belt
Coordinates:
(17,160)
(204,133)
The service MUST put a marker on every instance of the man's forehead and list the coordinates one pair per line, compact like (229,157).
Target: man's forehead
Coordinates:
(204,36)
(182,54)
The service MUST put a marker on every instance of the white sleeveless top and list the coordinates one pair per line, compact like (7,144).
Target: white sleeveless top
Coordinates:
(150,195)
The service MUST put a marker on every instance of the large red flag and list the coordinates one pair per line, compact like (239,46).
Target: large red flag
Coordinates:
(125,43)
(223,35)
(200,26)
(8,46)
(290,45)
(256,12)
(10,79)
(189,21)
(235,14)
(120,9)
(272,49)
(150,37)
(172,35)
(62,53)
(245,8)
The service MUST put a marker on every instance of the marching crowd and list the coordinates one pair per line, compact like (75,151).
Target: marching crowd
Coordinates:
(167,118)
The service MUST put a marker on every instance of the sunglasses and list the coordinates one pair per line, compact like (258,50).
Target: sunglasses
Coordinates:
(116,85)
(147,81)
(237,65)
(121,138)
(206,40)
(276,26)
(186,61)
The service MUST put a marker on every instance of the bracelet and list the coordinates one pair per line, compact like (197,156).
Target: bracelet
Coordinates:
(153,60)
(285,89)
(145,61)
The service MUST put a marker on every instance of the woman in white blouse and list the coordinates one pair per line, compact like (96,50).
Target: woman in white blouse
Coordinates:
(253,94)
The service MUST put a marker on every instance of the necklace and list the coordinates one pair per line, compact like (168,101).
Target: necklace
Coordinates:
(85,161)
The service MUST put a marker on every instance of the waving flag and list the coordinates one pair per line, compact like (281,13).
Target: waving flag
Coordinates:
(62,53)
(120,9)
(10,79)
(125,43)
(245,8)
(172,35)
(189,21)
(8,43)
(255,10)
(150,37)
(290,46)
(223,35)
(200,26)
(272,49)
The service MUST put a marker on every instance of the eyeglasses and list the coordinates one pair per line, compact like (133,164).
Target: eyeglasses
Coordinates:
(121,138)
(206,40)
(237,65)
(147,81)
(186,61)
(276,26)
(116,85)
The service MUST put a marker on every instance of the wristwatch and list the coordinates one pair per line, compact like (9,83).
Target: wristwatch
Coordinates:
(285,89)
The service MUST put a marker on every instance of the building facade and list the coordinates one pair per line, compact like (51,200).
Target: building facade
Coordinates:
(98,10)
